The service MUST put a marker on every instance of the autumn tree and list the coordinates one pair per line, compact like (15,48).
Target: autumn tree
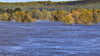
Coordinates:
(4,16)
(9,11)
(96,16)
(68,19)
(21,16)
(83,16)
(17,9)
(75,14)
(46,15)
(18,16)
(58,15)
(36,13)
(27,18)
(86,16)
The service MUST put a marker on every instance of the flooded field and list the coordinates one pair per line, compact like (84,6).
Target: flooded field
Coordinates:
(48,39)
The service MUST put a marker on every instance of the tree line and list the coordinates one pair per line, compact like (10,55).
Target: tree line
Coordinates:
(79,16)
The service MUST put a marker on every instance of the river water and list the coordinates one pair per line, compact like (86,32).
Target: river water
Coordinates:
(48,39)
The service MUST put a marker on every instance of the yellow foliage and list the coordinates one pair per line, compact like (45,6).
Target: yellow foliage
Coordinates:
(68,19)
(21,16)
(83,16)
(4,17)
(58,15)
(45,15)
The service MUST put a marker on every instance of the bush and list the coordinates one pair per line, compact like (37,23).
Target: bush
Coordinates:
(9,11)
(21,16)
(36,13)
(45,15)
(80,16)
(17,9)
(28,18)
(58,15)
(68,19)
(83,16)
(4,17)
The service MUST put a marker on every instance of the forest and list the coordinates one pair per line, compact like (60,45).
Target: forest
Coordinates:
(69,12)
(78,16)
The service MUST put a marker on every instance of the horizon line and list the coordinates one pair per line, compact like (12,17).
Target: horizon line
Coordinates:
(37,1)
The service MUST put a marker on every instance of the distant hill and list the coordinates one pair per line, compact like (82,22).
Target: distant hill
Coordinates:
(48,5)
